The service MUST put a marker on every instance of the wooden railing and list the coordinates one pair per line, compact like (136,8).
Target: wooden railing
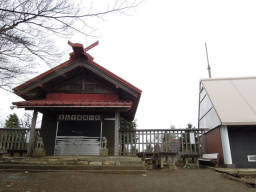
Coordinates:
(12,139)
(180,141)
(185,142)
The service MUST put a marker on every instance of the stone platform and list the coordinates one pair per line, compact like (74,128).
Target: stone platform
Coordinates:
(238,172)
(243,175)
(75,163)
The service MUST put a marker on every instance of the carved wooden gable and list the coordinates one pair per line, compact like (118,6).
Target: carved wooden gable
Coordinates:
(83,84)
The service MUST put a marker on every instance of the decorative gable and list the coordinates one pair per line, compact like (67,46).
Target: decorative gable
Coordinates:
(82,85)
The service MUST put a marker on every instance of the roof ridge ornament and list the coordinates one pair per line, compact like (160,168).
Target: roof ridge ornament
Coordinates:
(73,45)
(78,49)
(91,46)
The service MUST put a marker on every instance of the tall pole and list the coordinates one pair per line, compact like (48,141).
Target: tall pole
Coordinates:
(208,63)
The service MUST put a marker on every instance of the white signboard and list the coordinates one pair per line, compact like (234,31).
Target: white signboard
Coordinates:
(192,138)
(68,117)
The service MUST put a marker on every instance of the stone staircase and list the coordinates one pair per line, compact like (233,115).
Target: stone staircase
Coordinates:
(109,164)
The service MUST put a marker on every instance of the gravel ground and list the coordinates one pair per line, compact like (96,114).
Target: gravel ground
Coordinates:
(157,180)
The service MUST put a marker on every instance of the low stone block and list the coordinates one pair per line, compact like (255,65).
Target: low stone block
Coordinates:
(39,152)
(103,152)
(53,161)
(117,163)
(172,167)
(95,163)
(149,167)
(83,162)
(109,163)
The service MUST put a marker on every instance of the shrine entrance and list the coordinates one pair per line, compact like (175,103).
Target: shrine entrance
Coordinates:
(79,135)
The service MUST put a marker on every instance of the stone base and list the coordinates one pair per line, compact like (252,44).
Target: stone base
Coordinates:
(39,152)
(103,152)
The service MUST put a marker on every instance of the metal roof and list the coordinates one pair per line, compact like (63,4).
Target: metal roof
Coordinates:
(234,99)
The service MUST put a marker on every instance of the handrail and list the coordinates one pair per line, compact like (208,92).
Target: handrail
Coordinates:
(18,129)
(172,130)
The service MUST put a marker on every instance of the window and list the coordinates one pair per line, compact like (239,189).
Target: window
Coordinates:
(251,158)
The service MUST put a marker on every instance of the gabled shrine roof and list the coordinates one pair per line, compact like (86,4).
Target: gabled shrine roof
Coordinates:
(36,90)
(78,50)
(234,99)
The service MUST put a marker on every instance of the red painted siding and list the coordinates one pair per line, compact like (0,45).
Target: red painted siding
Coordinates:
(212,144)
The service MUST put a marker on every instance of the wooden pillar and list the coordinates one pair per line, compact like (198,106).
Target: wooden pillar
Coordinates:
(117,127)
(32,133)
(101,127)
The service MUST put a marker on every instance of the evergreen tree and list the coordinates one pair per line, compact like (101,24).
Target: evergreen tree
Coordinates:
(127,125)
(12,121)
(128,138)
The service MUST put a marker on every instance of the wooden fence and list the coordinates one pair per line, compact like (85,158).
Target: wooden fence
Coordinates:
(14,140)
(180,141)
(132,142)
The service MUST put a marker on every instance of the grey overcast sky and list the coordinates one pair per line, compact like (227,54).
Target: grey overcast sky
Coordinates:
(159,48)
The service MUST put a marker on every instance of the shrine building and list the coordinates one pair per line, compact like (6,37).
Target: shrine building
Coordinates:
(81,102)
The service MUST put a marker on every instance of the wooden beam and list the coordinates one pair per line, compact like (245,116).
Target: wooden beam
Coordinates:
(117,127)
(32,134)
(91,46)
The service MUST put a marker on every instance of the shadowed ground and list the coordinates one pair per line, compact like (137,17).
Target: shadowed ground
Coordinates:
(182,180)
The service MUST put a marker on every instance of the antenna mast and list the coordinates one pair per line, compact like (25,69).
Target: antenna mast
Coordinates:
(209,67)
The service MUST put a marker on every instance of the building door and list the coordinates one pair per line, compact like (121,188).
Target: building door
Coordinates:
(78,138)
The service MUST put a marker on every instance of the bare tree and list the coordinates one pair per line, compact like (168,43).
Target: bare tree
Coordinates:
(26,120)
(1,123)
(26,25)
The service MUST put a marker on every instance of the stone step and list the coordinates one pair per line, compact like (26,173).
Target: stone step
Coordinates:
(24,167)
(117,163)
(105,171)
(73,163)
(77,160)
